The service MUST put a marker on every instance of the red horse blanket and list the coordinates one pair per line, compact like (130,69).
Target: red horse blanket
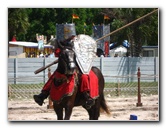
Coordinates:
(90,82)
(57,93)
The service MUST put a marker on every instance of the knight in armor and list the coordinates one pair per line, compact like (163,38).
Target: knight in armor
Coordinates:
(39,99)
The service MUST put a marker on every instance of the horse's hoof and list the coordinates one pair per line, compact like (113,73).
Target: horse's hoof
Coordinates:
(38,100)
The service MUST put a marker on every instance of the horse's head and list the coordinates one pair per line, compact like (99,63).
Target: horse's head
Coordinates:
(67,63)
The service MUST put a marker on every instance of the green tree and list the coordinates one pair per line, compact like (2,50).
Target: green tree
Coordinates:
(18,23)
(143,32)
(26,22)
(86,15)
(42,21)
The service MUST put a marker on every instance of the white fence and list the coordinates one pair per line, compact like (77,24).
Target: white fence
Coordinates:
(123,69)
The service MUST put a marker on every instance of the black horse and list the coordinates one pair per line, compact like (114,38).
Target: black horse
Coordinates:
(67,65)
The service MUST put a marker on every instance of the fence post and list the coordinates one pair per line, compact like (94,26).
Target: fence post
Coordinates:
(15,70)
(139,93)
(128,69)
(50,104)
(44,64)
(101,64)
(118,88)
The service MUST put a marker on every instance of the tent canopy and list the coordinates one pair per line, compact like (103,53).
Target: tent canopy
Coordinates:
(28,44)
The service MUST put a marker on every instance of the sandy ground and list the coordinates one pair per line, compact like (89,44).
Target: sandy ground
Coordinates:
(121,109)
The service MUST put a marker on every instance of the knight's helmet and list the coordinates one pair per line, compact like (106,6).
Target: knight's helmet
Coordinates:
(64,31)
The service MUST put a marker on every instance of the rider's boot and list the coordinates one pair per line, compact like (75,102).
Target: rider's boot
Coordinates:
(89,101)
(39,99)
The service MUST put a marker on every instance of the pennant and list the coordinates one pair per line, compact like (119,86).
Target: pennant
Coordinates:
(94,26)
(126,44)
(106,17)
(14,39)
(85,25)
(74,16)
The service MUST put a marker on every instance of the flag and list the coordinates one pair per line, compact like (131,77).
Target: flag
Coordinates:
(40,45)
(74,16)
(106,17)
(85,25)
(94,26)
(126,44)
(14,39)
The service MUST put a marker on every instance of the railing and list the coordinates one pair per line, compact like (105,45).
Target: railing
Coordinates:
(21,71)
(114,89)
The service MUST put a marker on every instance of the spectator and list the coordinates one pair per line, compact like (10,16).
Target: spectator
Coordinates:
(51,54)
(41,55)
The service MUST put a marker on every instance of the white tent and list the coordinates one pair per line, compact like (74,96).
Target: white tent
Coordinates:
(27,44)
(120,51)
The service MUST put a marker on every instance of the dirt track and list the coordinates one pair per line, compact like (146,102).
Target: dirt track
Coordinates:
(121,109)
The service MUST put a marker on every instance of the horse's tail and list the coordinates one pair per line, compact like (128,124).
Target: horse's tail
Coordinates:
(101,88)
(104,105)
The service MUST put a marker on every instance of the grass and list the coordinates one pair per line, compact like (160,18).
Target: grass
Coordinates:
(112,89)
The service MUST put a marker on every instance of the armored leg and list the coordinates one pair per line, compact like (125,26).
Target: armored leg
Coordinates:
(89,101)
(39,99)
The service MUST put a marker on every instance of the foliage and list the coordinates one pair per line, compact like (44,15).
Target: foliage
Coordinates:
(17,91)
(143,32)
(26,22)
(18,22)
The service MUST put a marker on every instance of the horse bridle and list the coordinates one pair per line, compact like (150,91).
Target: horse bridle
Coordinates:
(64,55)
(68,61)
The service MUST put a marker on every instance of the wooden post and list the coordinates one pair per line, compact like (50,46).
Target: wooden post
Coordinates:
(139,93)
(50,104)
(15,70)
(118,88)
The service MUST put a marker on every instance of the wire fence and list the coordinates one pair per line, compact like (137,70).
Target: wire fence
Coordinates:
(113,89)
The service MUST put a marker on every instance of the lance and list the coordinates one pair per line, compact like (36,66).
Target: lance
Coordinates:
(127,25)
(44,67)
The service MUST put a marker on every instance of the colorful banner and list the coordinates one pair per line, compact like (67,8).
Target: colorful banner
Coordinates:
(40,39)
(41,45)
(106,17)
(74,16)
(106,48)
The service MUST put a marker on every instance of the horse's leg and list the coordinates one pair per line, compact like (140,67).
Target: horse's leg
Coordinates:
(70,104)
(94,112)
(68,111)
(59,112)
(69,107)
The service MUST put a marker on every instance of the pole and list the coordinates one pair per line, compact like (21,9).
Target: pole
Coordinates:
(50,104)
(139,93)
(44,67)
(127,25)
